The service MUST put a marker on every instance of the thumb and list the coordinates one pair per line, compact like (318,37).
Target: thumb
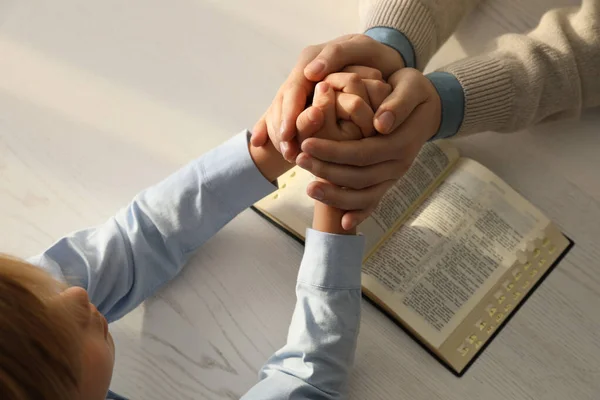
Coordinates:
(406,95)
(324,99)
(309,123)
(260,134)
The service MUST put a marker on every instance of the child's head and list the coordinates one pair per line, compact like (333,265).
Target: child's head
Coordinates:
(54,344)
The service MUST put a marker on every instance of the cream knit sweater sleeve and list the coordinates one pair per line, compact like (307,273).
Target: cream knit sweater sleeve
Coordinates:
(551,73)
(426,23)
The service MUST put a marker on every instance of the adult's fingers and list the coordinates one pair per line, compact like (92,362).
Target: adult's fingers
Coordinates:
(294,93)
(345,198)
(273,122)
(260,134)
(353,218)
(359,153)
(292,104)
(398,159)
(356,50)
(353,177)
(409,91)
(419,127)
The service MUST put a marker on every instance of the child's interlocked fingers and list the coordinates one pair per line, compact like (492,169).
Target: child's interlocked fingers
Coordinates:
(346,102)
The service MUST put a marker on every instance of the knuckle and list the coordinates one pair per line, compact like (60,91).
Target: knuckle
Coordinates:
(377,74)
(351,130)
(308,50)
(354,78)
(335,50)
(355,104)
(380,89)
(383,88)
(347,36)
(411,72)
(399,106)
(293,86)
(362,39)
(369,73)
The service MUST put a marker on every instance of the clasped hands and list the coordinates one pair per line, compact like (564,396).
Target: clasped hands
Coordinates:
(368,120)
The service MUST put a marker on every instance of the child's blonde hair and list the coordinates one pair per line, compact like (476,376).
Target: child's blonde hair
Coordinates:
(39,347)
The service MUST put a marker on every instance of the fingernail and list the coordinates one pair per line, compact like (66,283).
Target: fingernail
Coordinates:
(317,194)
(315,67)
(322,87)
(386,120)
(284,148)
(283,127)
(304,162)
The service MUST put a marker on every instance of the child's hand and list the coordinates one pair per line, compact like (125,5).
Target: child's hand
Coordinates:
(343,106)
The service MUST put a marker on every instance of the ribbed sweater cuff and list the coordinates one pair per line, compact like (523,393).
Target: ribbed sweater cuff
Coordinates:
(410,18)
(488,91)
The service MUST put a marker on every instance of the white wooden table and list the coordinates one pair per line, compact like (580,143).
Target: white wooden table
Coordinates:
(99,99)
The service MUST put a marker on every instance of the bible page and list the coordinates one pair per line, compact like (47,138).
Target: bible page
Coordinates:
(432,163)
(438,265)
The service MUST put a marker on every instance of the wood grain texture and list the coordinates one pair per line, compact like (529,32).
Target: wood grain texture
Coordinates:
(100,99)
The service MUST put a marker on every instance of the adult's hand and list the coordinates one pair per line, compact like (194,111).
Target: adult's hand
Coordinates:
(360,172)
(314,64)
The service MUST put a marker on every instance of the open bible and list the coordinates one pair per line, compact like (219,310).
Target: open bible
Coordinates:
(452,250)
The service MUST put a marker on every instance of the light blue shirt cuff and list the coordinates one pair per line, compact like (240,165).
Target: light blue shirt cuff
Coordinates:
(452,97)
(396,40)
(332,261)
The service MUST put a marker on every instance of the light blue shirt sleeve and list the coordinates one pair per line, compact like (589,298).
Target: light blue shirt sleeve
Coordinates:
(316,361)
(125,260)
